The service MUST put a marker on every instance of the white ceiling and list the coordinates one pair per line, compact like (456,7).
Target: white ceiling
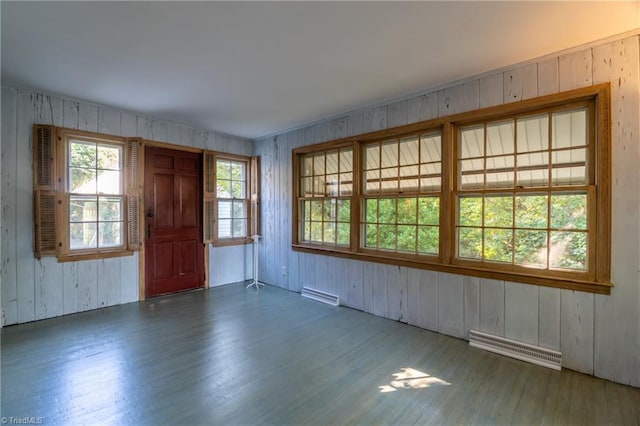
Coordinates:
(255,68)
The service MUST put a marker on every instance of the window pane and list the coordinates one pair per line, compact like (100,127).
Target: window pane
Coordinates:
(429,211)
(346,160)
(533,133)
(109,157)
(307,165)
(500,138)
(329,212)
(110,234)
(531,211)
(430,184)
(498,245)
(371,210)
(332,185)
(316,210)
(329,229)
(224,209)
(316,231)
(500,172)
(472,142)
(569,129)
(83,235)
(498,211)
(568,250)
(332,162)
(307,231)
(470,243)
(569,211)
(371,236)
(83,209)
(307,187)
(372,184)
(319,186)
(430,148)
(344,211)
(407,208)
(83,181)
(224,228)
(409,150)
(428,239)
(533,169)
(389,154)
(109,182)
(470,211)
(372,156)
(531,248)
(346,183)
(239,210)
(407,238)
(306,208)
(472,174)
(318,164)
(239,228)
(238,189)
(387,210)
(223,170)
(82,154)
(569,167)
(344,234)
(387,237)
(110,209)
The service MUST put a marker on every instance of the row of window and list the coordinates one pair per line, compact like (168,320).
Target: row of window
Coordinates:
(86,195)
(514,190)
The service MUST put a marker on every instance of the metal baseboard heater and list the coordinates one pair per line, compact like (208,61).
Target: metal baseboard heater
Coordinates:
(518,350)
(320,296)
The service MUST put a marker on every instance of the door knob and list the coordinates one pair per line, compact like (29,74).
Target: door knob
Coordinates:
(149,213)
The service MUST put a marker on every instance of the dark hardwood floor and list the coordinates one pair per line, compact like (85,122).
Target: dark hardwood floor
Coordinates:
(232,355)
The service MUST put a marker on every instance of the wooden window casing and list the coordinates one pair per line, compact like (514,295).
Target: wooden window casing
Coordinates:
(242,192)
(511,176)
(53,195)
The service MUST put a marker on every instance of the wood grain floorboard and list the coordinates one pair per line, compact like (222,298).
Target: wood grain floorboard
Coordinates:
(236,356)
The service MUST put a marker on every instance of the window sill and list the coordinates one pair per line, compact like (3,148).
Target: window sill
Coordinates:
(532,278)
(232,242)
(94,256)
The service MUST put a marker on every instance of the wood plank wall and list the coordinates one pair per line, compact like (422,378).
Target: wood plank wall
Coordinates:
(36,289)
(597,334)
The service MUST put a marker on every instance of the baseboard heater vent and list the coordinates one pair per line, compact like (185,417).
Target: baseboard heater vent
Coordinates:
(514,349)
(320,296)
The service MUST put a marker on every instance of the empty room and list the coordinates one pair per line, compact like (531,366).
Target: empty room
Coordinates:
(239,213)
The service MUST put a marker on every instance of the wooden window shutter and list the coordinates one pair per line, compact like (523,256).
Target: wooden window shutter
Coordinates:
(209,202)
(255,196)
(133,150)
(44,189)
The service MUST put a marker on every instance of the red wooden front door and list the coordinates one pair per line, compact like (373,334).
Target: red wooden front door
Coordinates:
(174,253)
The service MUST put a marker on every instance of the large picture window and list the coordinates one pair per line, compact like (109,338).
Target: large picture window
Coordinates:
(518,192)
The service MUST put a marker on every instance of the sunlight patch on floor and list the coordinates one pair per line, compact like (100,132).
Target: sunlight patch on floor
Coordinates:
(409,378)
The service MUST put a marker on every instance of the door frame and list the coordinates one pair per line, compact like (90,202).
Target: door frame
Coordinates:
(141,213)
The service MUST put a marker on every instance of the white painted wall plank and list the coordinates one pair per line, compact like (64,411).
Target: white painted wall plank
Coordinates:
(491,90)
(397,293)
(49,288)
(380,290)
(398,114)
(158,130)
(109,121)
(8,276)
(129,291)
(521,83)
(375,119)
(429,315)
(450,100)
(471,304)
(87,117)
(549,318)
(369,275)
(576,330)
(471,95)
(617,317)
(575,70)
(413,297)
(548,77)
(70,288)
(355,286)
(451,305)
(521,312)
(355,125)
(71,114)
(492,306)
(109,290)
(87,285)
